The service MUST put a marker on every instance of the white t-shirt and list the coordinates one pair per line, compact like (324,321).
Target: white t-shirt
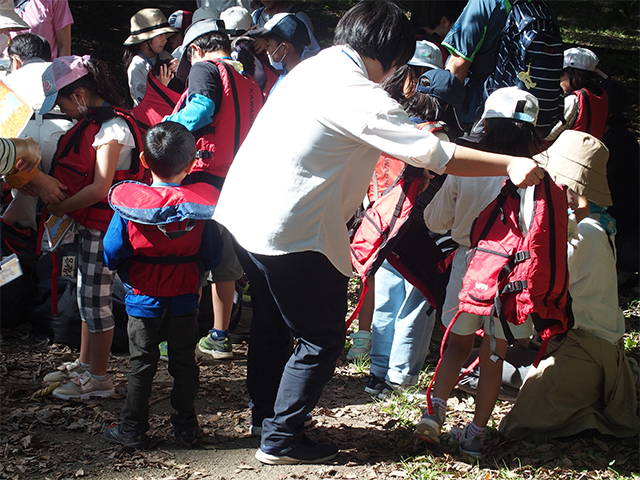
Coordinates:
(117,128)
(593,281)
(307,161)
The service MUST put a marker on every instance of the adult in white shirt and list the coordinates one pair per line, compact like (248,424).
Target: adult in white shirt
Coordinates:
(303,170)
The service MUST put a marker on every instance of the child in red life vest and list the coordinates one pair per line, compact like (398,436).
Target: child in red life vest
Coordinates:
(162,244)
(509,120)
(586,105)
(102,147)
(218,107)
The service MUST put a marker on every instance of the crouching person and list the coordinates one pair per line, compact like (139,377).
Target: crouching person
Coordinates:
(586,382)
(161,244)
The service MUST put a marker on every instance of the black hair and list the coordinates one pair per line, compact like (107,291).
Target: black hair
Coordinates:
(506,136)
(394,84)
(98,80)
(584,79)
(450,9)
(168,149)
(377,29)
(27,46)
(211,42)
(130,51)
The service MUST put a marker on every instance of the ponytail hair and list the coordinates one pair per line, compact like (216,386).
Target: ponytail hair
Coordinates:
(99,80)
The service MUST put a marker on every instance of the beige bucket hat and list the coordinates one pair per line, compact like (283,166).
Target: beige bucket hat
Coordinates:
(579,161)
(147,24)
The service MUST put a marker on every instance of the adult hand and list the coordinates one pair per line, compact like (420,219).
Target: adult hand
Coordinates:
(524,172)
(49,189)
(28,153)
(165,75)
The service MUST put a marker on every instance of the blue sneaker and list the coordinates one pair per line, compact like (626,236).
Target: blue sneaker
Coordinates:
(256,431)
(307,451)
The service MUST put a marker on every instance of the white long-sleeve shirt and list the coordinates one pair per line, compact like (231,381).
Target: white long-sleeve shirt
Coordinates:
(307,161)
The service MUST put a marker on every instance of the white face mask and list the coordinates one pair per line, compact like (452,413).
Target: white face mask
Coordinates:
(274,64)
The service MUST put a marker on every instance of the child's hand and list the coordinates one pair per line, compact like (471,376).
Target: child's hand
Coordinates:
(173,65)
(426,178)
(56,209)
(165,75)
(259,45)
(524,172)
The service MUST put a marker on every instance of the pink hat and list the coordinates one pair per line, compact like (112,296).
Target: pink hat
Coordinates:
(63,71)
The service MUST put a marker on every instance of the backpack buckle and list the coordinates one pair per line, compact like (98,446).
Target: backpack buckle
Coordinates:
(521,256)
(204,154)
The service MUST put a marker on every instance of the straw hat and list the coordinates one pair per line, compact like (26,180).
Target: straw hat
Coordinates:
(9,18)
(579,161)
(147,24)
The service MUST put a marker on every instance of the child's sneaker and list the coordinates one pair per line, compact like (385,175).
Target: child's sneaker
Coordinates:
(85,386)
(164,351)
(115,434)
(429,427)
(361,345)
(307,451)
(471,445)
(185,435)
(377,387)
(220,348)
(66,372)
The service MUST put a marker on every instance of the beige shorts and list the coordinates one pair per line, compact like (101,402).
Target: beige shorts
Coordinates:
(229,269)
(468,323)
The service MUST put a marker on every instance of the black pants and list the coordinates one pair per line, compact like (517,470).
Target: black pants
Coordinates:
(301,296)
(181,333)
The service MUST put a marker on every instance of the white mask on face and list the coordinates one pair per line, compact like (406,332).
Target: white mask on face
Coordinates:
(274,64)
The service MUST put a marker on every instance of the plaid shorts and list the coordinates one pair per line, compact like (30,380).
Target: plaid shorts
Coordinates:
(95,282)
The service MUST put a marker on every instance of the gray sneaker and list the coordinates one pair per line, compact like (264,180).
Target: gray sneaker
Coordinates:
(472,446)
(429,427)
(66,372)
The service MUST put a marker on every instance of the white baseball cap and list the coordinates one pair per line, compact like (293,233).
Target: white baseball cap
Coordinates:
(511,102)
(427,54)
(582,59)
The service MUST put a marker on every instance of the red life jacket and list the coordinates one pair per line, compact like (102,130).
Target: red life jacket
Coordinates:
(158,102)
(219,142)
(74,163)
(593,111)
(392,229)
(165,226)
(510,275)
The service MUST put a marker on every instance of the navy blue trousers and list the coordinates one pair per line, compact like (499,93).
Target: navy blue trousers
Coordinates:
(299,296)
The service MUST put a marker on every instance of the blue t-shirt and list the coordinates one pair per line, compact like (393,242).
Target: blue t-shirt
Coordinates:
(475,36)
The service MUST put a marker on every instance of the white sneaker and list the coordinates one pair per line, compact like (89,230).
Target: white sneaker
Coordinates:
(85,386)
(66,372)
(361,345)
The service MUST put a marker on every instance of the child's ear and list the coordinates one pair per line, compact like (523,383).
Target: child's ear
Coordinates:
(189,167)
(143,161)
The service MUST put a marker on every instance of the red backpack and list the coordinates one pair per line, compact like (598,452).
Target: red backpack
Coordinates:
(511,275)
(158,102)
(392,228)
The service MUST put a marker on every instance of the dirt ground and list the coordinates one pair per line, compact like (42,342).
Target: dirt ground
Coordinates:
(48,438)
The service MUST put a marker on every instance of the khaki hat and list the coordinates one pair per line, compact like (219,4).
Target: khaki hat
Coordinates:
(579,161)
(9,18)
(148,23)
